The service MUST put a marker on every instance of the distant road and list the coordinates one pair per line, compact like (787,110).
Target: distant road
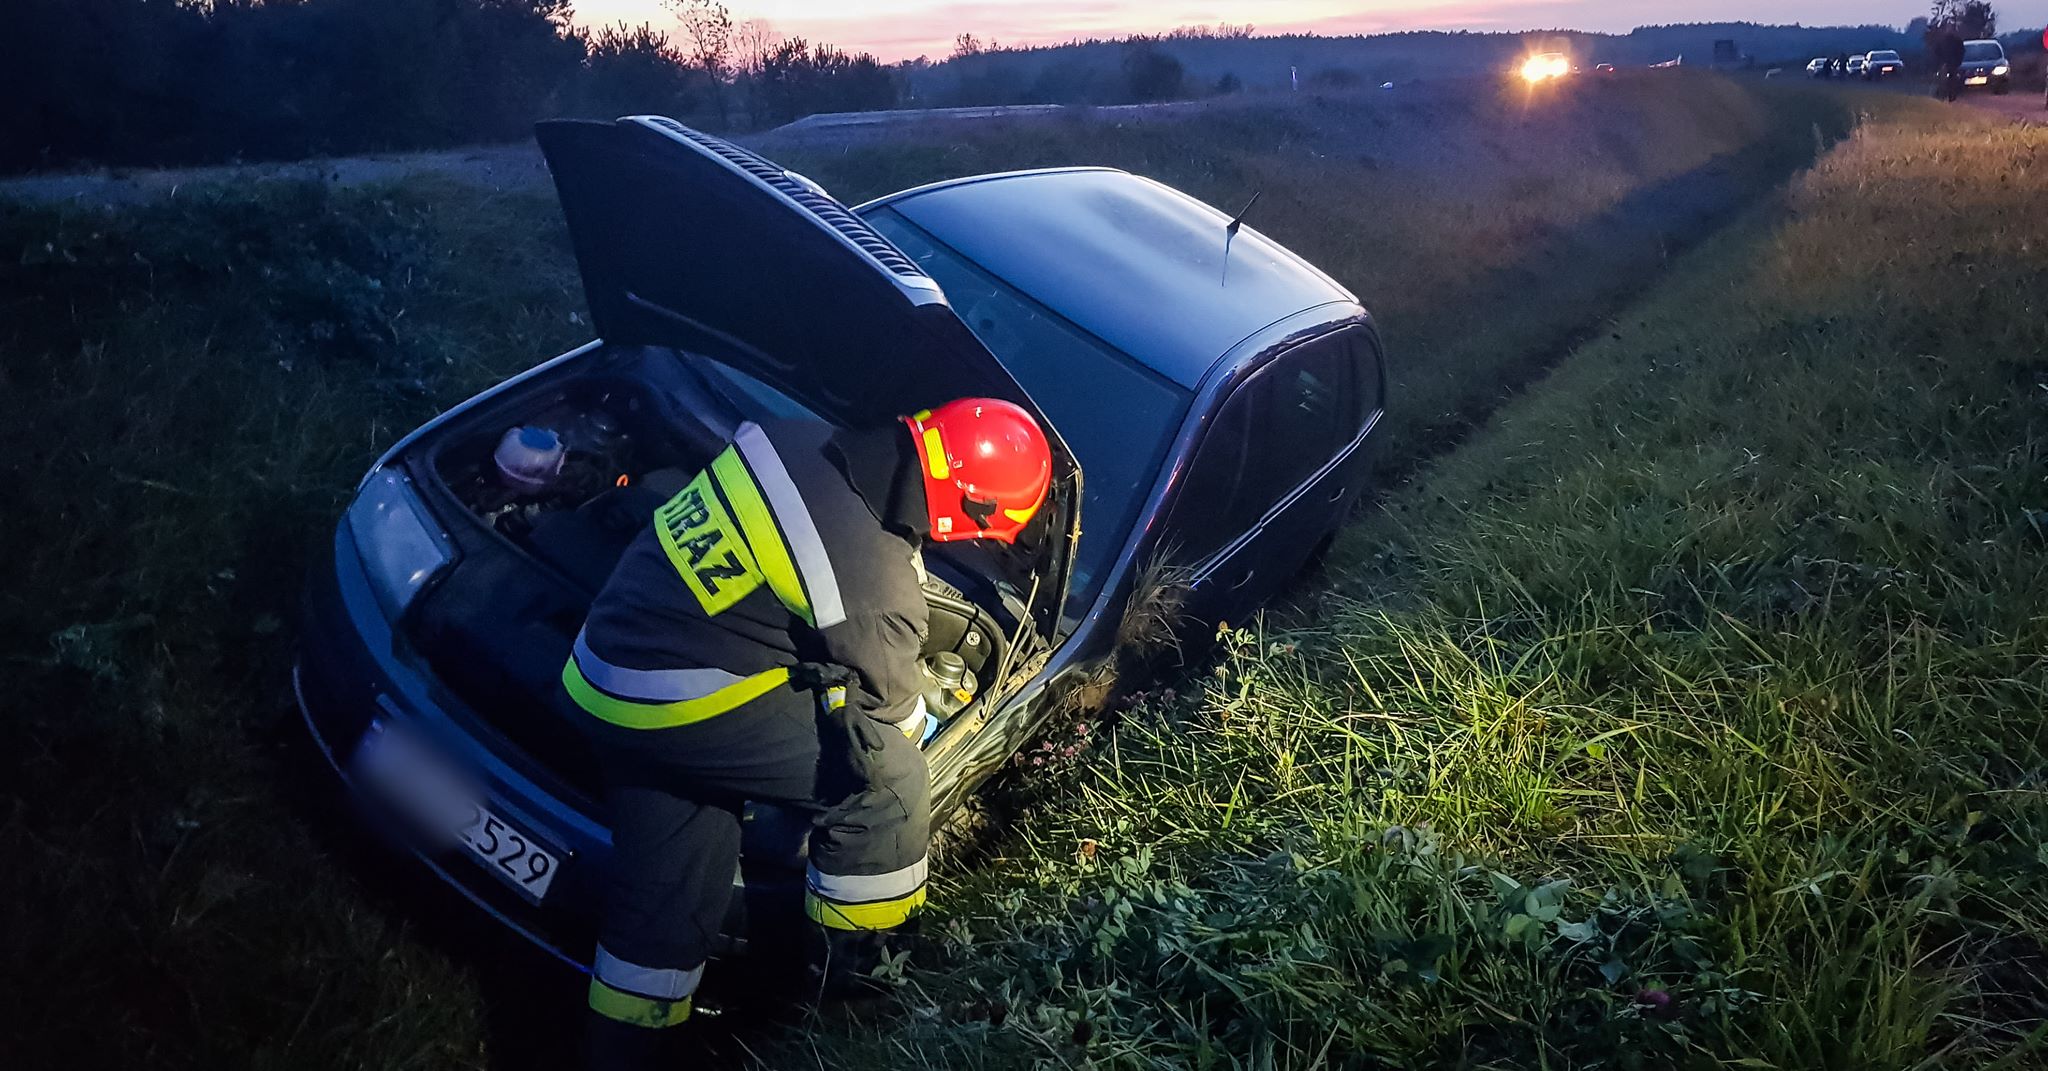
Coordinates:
(492,167)
(830,124)
(504,167)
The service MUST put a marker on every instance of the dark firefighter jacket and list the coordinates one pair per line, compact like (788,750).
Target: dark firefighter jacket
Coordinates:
(768,560)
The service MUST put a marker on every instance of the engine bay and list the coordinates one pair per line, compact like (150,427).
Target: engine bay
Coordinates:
(559,488)
(589,475)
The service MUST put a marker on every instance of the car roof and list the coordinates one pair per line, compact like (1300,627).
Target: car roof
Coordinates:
(1131,261)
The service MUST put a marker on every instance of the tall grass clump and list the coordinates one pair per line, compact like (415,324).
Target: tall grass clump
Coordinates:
(1693,714)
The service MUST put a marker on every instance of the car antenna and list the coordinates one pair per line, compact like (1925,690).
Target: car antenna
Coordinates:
(1237,223)
(1230,232)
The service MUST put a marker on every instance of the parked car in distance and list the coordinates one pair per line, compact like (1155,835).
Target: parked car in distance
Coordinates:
(1882,64)
(1818,67)
(1985,65)
(1855,68)
(1604,68)
(1217,391)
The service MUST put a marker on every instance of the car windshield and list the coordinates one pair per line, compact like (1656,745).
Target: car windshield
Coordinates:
(1117,416)
(1979,51)
(1884,57)
(749,398)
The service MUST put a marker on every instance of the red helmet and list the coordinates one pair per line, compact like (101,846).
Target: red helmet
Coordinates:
(986,468)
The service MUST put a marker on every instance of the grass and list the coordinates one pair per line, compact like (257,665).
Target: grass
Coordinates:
(1688,715)
(195,384)
(194,387)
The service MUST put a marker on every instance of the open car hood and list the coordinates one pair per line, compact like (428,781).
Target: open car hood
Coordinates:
(690,242)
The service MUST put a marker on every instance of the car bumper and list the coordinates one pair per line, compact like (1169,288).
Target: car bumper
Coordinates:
(443,865)
(350,673)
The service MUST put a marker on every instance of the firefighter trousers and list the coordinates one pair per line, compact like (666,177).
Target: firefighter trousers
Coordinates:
(675,798)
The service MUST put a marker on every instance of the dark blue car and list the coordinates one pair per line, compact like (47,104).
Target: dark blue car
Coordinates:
(1209,395)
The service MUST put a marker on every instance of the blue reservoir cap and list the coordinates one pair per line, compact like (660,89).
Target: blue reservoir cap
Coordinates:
(538,439)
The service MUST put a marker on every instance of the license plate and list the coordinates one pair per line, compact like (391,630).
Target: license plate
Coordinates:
(511,854)
(420,785)
(1979,81)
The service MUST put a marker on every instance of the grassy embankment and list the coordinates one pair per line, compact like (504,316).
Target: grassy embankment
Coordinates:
(1482,227)
(1694,713)
(194,385)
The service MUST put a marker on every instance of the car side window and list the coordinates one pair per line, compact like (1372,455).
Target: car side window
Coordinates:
(1205,515)
(1309,410)
(1274,432)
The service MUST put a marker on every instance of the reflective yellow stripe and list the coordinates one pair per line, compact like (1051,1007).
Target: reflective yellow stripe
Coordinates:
(878,915)
(631,715)
(757,526)
(935,454)
(708,551)
(636,1011)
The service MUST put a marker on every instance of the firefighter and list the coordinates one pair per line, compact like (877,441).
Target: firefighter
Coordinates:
(761,641)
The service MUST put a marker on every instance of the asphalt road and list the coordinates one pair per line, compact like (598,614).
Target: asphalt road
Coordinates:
(519,166)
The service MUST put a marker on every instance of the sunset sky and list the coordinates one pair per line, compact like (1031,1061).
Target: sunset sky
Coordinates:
(901,29)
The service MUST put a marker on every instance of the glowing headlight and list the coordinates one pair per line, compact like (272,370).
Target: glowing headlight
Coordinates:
(401,545)
(2001,69)
(1539,68)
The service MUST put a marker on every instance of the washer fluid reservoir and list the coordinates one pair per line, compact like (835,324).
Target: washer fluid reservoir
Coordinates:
(529,459)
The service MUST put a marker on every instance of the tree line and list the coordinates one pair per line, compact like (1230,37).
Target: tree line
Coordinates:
(164,82)
(167,82)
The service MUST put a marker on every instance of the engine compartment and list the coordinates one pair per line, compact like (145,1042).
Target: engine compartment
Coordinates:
(616,464)
(548,532)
